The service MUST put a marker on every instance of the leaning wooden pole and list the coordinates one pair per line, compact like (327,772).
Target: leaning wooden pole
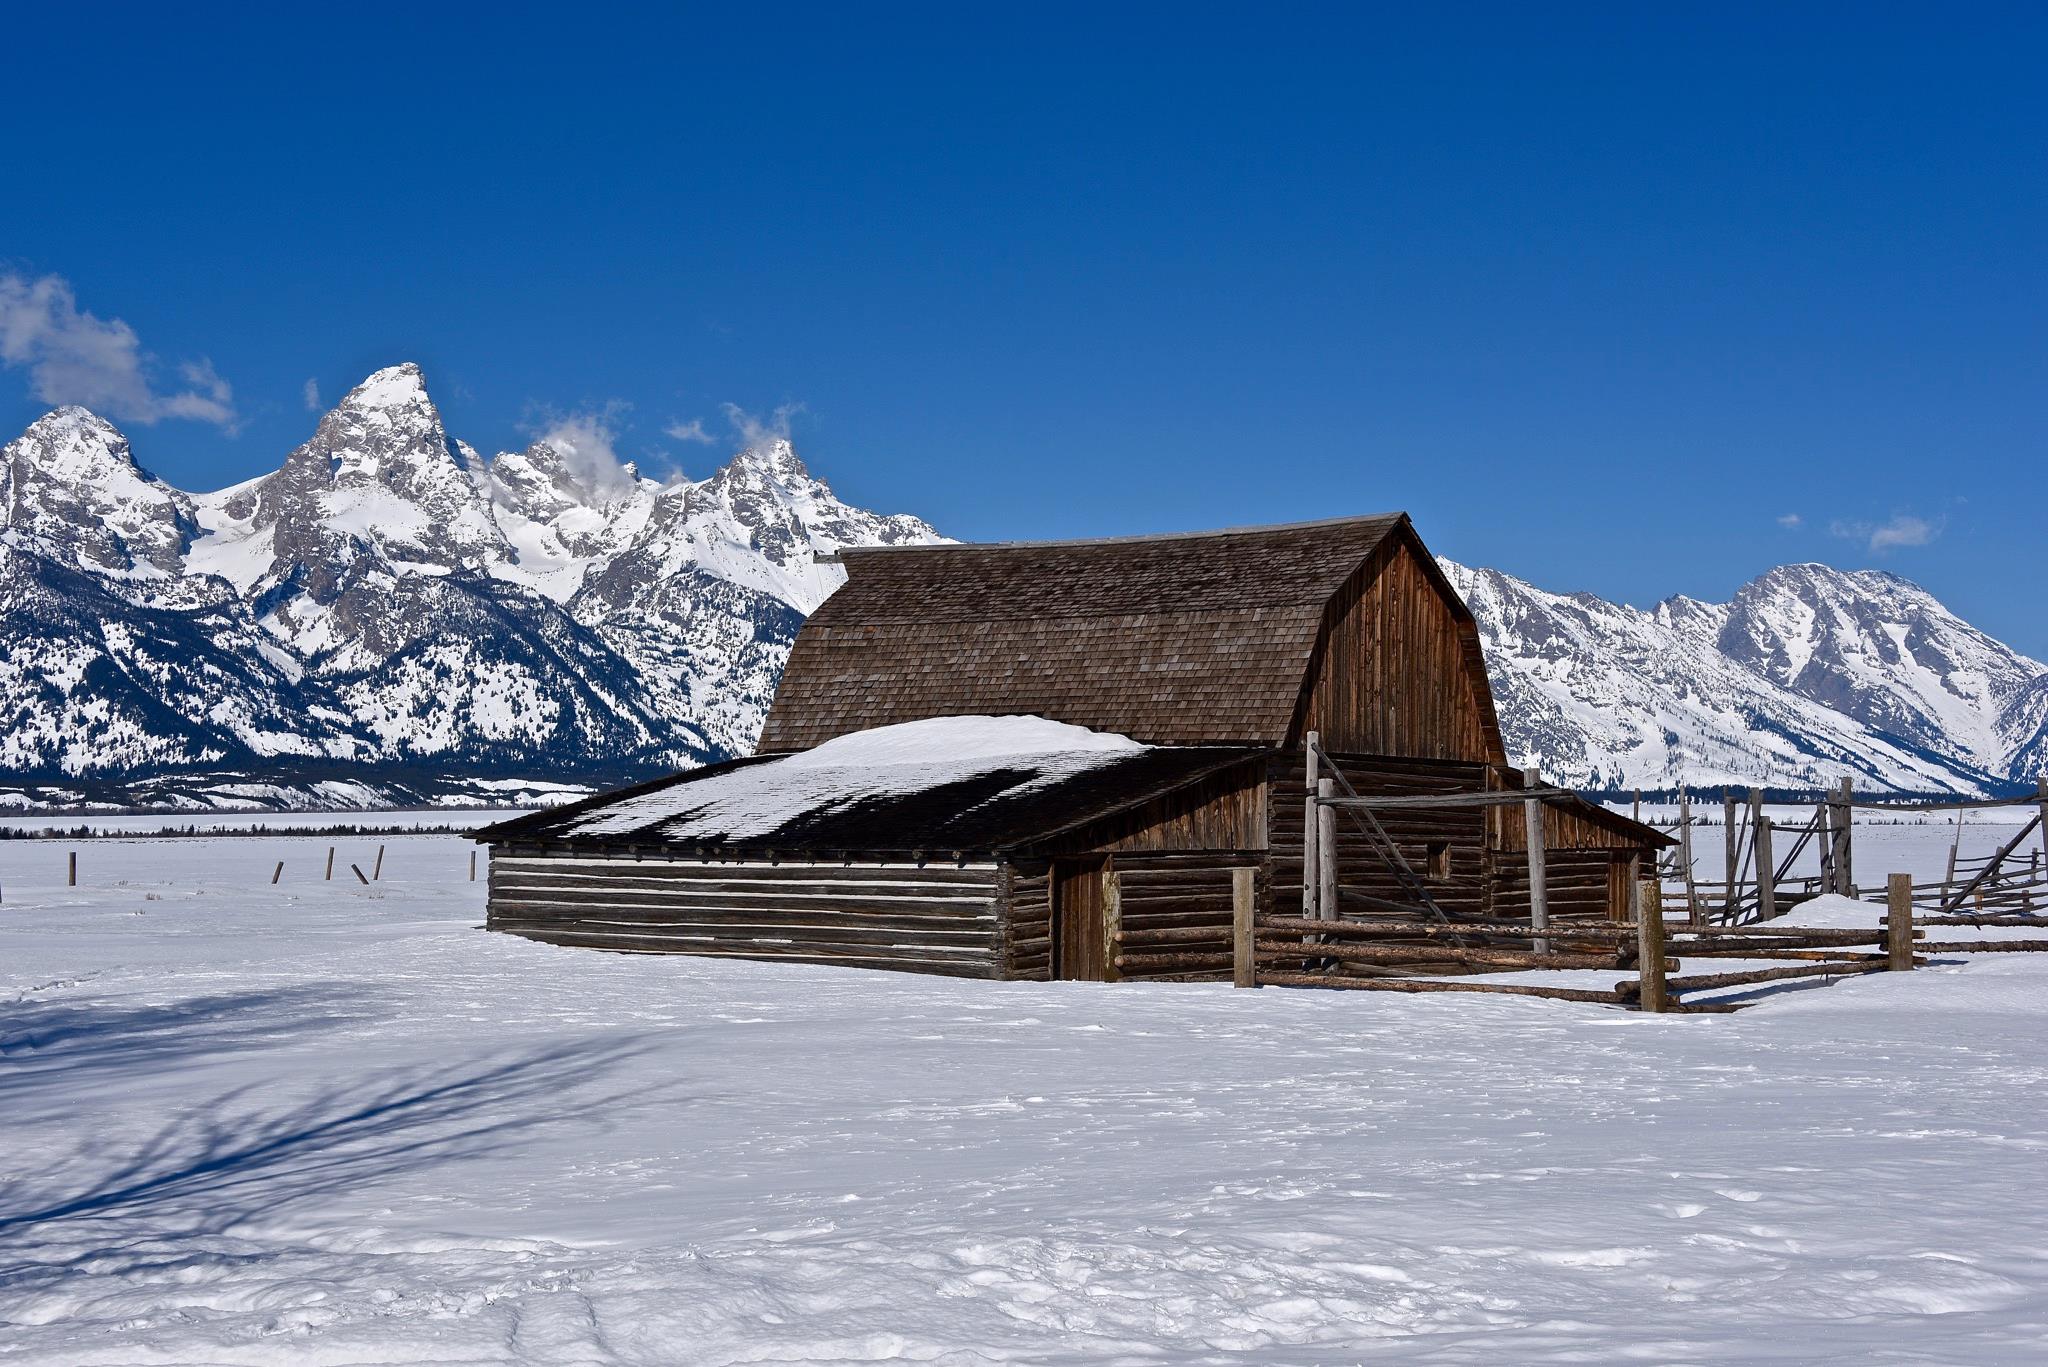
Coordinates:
(1539,894)
(1311,825)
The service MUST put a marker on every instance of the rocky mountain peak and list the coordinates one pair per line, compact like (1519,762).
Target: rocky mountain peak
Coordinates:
(71,482)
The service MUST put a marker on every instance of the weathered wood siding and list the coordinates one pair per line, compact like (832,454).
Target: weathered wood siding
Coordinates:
(937,919)
(1225,811)
(1027,921)
(1399,670)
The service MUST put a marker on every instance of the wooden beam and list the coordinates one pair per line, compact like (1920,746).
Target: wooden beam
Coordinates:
(1845,852)
(1731,898)
(1311,830)
(1898,922)
(1326,852)
(1766,866)
(1532,824)
(1649,916)
(1112,920)
(1244,964)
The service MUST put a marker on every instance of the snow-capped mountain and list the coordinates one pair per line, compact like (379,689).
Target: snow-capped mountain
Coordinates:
(391,617)
(392,606)
(1809,674)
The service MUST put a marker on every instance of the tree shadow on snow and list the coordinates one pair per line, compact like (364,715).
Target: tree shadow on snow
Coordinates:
(231,1160)
(50,1045)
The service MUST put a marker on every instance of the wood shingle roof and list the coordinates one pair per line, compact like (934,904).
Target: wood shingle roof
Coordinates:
(1172,640)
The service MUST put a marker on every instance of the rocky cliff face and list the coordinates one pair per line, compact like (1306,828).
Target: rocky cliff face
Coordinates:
(1808,674)
(389,601)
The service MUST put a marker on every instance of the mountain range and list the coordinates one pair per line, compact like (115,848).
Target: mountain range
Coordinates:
(391,618)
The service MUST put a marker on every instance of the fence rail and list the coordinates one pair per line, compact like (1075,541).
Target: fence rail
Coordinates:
(1425,955)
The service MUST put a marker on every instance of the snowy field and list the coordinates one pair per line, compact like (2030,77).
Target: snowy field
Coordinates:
(324,1123)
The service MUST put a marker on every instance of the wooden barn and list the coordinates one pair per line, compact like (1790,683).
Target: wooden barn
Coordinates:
(991,760)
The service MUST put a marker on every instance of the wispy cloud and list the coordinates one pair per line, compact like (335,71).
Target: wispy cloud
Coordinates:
(1903,529)
(74,357)
(693,430)
(757,431)
(1791,521)
(587,440)
(311,394)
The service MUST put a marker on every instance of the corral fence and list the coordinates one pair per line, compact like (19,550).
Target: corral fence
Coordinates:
(1759,853)
(1382,956)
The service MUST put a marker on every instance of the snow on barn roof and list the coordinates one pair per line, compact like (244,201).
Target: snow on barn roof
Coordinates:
(944,783)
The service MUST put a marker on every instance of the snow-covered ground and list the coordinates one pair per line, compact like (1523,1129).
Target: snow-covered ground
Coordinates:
(327,1123)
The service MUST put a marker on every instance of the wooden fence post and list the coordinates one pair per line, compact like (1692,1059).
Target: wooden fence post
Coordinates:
(1532,826)
(2044,818)
(1244,967)
(1692,897)
(1326,852)
(1649,914)
(72,880)
(1845,847)
(1311,827)
(1730,902)
(472,866)
(357,870)
(330,865)
(1112,922)
(1766,865)
(377,869)
(1898,921)
(277,873)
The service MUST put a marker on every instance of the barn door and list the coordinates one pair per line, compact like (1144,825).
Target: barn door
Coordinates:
(1077,920)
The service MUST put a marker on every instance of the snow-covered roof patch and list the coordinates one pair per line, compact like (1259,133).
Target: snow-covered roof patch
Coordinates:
(939,784)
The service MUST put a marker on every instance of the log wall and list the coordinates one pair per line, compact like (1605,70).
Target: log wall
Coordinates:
(936,919)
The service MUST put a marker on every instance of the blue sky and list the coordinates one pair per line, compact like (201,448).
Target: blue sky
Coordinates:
(1605,298)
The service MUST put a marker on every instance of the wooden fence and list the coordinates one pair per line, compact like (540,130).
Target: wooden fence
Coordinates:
(1382,956)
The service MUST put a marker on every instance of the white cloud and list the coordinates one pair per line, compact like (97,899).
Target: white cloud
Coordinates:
(1791,521)
(759,432)
(311,394)
(587,440)
(693,430)
(1904,529)
(75,358)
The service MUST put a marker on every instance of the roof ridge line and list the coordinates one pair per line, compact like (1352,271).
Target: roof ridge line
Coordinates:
(1212,533)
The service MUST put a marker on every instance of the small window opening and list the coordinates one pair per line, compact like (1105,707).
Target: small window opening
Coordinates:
(1440,860)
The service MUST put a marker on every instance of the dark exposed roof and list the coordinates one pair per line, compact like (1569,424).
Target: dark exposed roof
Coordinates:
(989,812)
(1172,640)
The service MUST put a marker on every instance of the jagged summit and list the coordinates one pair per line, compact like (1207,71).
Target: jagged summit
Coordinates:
(388,597)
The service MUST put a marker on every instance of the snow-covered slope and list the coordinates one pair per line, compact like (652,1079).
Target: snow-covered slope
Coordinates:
(390,610)
(1809,673)
(389,599)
